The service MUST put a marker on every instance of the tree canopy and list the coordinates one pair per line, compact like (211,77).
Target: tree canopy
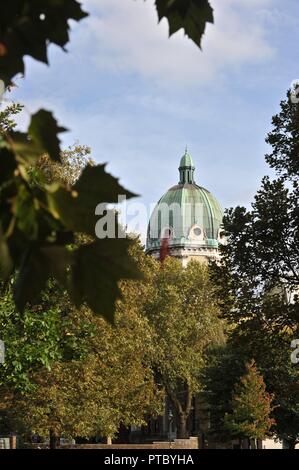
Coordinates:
(84,377)
(183,312)
(259,269)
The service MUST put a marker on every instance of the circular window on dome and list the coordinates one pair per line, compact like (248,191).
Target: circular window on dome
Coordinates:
(197,231)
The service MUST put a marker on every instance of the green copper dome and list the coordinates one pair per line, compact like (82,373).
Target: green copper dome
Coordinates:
(188,214)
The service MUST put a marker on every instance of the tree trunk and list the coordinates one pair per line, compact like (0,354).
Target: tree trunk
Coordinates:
(182,431)
(123,435)
(291,443)
(183,409)
(54,439)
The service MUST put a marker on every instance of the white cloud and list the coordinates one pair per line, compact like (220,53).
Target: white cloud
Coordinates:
(124,36)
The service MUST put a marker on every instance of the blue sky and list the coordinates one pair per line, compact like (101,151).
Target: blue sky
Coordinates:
(137,98)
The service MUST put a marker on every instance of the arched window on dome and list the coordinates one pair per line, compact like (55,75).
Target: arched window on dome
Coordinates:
(221,237)
(167,232)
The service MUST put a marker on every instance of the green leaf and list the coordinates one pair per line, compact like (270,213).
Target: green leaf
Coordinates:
(95,184)
(26,213)
(8,165)
(6,263)
(97,269)
(29,26)
(26,149)
(191,15)
(76,207)
(43,130)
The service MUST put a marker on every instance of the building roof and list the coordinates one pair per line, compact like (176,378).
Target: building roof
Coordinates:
(187,213)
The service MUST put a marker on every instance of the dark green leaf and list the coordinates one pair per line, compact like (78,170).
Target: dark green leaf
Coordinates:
(77,207)
(26,213)
(28,26)
(26,149)
(191,15)
(43,130)
(6,263)
(97,269)
(96,185)
(8,164)
(38,265)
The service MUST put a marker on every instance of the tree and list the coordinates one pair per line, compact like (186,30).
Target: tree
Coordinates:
(251,407)
(258,278)
(35,341)
(182,310)
(38,337)
(73,161)
(223,368)
(91,395)
(259,274)
(284,139)
(271,352)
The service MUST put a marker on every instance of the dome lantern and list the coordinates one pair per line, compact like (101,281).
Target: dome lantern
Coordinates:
(186,169)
